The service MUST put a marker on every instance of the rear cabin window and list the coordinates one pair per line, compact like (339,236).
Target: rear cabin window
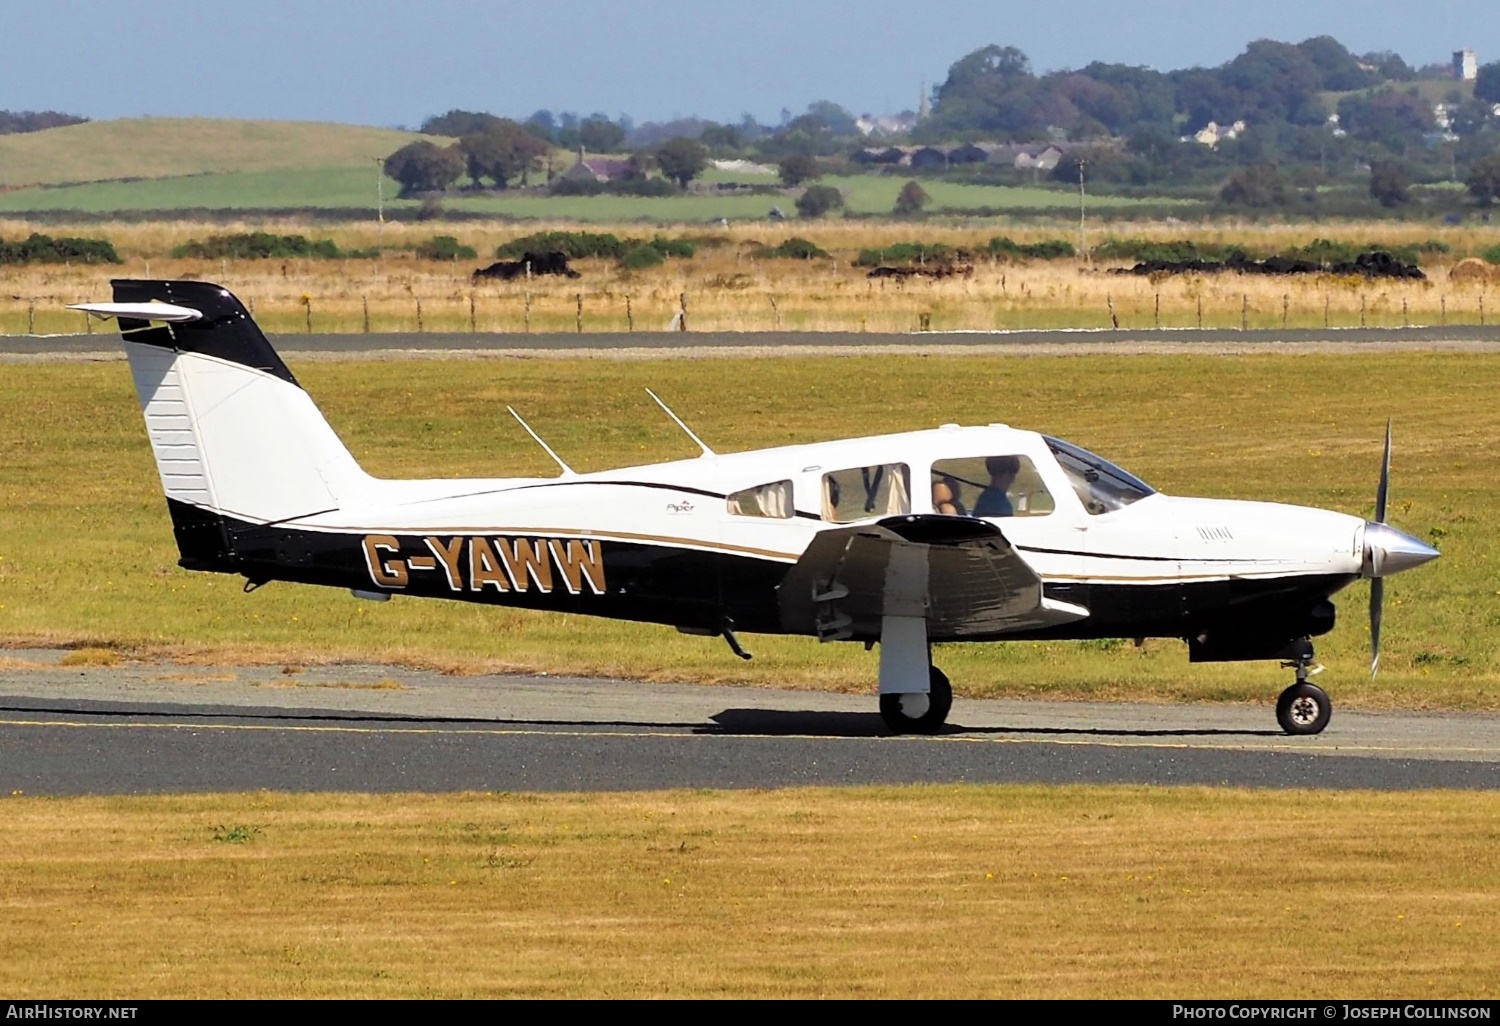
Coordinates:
(989,486)
(860,493)
(767,500)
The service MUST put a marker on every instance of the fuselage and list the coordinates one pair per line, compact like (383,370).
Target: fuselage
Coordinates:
(696,543)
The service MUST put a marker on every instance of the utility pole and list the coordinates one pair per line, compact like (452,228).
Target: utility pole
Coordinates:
(380,199)
(1083,249)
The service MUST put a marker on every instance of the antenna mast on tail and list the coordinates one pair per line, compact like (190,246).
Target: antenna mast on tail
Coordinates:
(567,471)
(678,421)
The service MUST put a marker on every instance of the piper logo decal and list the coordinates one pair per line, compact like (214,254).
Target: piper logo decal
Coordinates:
(476,563)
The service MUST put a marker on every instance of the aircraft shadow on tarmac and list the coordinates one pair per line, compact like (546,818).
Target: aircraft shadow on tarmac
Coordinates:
(729,722)
(778,722)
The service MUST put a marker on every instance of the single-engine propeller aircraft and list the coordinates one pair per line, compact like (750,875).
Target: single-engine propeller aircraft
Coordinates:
(949,534)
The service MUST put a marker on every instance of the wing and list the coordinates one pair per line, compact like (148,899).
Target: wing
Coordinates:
(960,573)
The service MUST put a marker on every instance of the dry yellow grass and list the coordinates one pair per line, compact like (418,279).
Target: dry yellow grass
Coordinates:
(729,290)
(915,892)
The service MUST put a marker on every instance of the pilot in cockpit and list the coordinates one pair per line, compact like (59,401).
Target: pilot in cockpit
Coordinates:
(994,501)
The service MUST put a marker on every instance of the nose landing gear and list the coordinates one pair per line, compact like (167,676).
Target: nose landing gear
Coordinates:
(1304,708)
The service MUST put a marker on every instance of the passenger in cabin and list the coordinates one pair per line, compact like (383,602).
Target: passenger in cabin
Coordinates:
(994,501)
(945,497)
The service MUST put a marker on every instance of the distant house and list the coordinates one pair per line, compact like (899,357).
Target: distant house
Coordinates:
(1039,158)
(880,155)
(1465,65)
(748,168)
(599,169)
(1213,133)
(929,157)
(972,153)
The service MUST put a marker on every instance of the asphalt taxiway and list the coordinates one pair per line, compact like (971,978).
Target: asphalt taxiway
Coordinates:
(160,728)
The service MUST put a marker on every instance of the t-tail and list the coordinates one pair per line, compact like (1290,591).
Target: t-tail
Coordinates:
(237,441)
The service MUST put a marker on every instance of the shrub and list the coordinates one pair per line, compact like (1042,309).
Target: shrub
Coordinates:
(643,255)
(445,247)
(910,200)
(817,200)
(1491,255)
(576,187)
(43,249)
(576,245)
(795,248)
(257,246)
(907,253)
(1048,249)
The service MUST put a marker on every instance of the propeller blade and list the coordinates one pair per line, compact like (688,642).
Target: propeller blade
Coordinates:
(1383,490)
(1377,599)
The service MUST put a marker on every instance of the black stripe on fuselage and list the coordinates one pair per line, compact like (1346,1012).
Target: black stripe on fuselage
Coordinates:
(687,587)
(658,485)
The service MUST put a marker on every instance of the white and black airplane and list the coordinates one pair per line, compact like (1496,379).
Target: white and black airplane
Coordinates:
(949,534)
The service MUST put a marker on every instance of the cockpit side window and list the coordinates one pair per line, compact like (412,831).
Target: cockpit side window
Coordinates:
(767,500)
(1101,486)
(860,493)
(989,486)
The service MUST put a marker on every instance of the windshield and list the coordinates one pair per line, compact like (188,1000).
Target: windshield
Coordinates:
(1101,486)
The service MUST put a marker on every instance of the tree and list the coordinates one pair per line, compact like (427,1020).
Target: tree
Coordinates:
(1257,186)
(600,135)
(501,151)
(910,200)
(798,168)
(722,137)
(1487,82)
(817,200)
(682,160)
(1484,179)
(423,166)
(458,123)
(1388,183)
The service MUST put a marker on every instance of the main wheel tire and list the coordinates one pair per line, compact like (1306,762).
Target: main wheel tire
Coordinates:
(917,713)
(1304,709)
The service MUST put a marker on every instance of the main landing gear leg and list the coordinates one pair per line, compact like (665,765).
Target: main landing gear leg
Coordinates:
(915,696)
(1304,708)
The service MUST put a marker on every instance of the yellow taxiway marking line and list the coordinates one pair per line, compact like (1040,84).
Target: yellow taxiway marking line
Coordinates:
(689,733)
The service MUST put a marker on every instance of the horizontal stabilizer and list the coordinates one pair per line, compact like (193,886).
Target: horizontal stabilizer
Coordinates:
(164,312)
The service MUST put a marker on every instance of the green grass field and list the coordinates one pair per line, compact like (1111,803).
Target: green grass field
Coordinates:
(97,151)
(354,187)
(88,557)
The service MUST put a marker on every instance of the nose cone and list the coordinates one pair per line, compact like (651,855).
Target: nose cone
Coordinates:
(1389,551)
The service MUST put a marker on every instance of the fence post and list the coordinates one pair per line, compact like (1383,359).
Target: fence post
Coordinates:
(1244,311)
(366,300)
(420,328)
(307,302)
(252,301)
(775,313)
(1481,309)
(1361,310)
(528,308)
(1286,306)
(1325,309)
(88,324)
(473,320)
(579,321)
(1443,311)
(629,316)
(1156,313)
(1200,311)
(31,317)
(1114,321)
(682,324)
(1405,317)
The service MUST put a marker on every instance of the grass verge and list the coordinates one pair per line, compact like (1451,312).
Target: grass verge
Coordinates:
(892,892)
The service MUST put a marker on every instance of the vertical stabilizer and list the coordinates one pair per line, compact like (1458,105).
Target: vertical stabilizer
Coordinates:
(233,432)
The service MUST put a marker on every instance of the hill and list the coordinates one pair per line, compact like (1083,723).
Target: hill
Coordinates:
(131,148)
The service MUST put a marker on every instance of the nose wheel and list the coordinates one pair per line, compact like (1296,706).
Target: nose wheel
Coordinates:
(1304,708)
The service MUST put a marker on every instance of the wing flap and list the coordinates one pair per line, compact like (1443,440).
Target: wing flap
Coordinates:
(960,573)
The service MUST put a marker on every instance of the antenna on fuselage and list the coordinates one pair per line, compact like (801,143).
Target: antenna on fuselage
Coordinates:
(567,471)
(678,421)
